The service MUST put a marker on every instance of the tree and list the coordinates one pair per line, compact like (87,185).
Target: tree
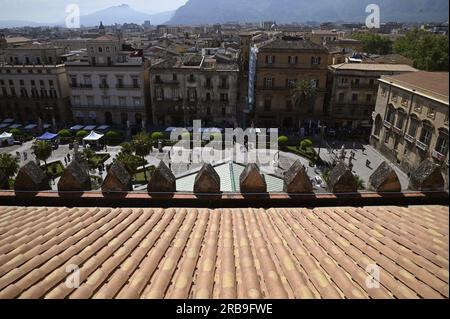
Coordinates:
(303,93)
(9,164)
(127,148)
(16,133)
(112,137)
(42,150)
(429,51)
(65,135)
(374,43)
(157,136)
(142,145)
(130,161)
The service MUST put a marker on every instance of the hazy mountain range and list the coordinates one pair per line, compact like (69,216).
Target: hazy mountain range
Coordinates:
(207,11)
(116,14)
(282,11)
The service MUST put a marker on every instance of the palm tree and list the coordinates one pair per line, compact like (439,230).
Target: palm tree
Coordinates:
(142,144)
(303,93)
(42,150)
(130,161)
(9,164)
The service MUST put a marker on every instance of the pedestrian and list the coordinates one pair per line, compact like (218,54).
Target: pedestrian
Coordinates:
(65,161)
(368,163)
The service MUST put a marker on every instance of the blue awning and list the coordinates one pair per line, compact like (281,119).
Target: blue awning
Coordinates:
(47,137)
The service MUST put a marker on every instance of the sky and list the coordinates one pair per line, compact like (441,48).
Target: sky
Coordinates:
(53,10)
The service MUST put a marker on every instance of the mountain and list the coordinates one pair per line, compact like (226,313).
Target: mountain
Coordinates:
(116,14)
(123,14)
(284,11)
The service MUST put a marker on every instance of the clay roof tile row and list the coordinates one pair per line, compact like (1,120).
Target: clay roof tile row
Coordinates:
(225,253)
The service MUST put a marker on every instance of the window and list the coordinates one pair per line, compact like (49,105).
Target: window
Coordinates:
(22,82)
(442,144)
(191,78)
(106,100)
(157,78)
(383,91)
(224,97)
(136,83)
(371,83)
(92,49)
(426,134)
(400,120)
(369,98)
(267,105)
(223,82)
(290,84)
(76,100)
(50,82)
(107,49)
(316,60)
(224,111)
(100,49)
(159,93)
(137,101)
(73,81)
(103,82)
(292,59)
(268,83)
(208,83)
(413,126)
(341,97)
(11,82)
(90,100)
(192,94)
(174,77)
(2,82)
(175,94)
(270,59)
(41,83)
(87,80)
(120,82)
(390,115)
(208,97)
(355,97)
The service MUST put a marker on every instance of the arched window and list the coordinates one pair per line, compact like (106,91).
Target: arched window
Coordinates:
(378,125)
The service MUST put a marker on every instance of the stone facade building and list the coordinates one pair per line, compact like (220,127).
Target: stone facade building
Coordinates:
(34,85)
(195,87)
(411,119)
(281,63)
(110,86)
(353,92)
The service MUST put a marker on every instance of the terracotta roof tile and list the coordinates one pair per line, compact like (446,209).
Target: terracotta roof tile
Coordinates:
(224,253)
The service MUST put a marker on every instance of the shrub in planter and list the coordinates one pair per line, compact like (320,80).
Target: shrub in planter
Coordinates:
(157,136)
(81,134)
(282,142)
(306,144)
(16,133)
(65,136)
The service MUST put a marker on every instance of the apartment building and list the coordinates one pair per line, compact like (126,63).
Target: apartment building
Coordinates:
(353,89)
(34,86)
(281,64)
(109,86)
(194,87)
(411,119)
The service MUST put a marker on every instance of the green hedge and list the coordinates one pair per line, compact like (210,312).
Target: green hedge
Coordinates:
(54,169)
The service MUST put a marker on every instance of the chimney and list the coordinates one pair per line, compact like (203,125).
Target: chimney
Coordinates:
(31,178)
(296,180)
(207,181)
(252,181)
(162,180)
(384,180)
(118,179)
(341,180)
(427,177)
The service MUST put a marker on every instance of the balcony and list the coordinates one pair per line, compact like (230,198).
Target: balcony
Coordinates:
(438,156)
(410,138)
(422,146)
(397,130)
(127,87)
(81,86)
(103,86)
(387,125)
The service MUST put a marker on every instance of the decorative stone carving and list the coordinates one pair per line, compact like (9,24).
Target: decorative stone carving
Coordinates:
(427,177)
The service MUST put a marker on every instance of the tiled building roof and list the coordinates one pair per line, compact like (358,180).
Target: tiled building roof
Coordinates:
(224,253)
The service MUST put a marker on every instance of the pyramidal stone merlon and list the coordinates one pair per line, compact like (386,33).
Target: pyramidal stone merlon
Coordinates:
(31,178)
(118,179)
(427,177)
(207,180)
(251,181)
(384,180)
(162,180)
(342,180)
(75,178)
(296,180)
